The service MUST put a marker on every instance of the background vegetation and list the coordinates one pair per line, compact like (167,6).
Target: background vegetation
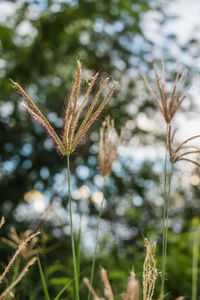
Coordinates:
(40,43)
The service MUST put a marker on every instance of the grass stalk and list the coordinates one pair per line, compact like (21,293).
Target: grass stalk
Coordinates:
(79,246)
(96,242)
(195,263)
(71,231)
(165,230)
(164,214)
(43,279)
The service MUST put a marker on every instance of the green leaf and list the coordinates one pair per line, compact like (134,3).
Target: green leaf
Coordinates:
(62,291)
(59,281)
(53,269)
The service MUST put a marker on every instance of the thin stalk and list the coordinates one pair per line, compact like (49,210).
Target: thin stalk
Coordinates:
(96,242)
(72,235)
(43,279)
(164,214)
(15,275)
(79,245)
(167,214)
(166,229)
(195,263)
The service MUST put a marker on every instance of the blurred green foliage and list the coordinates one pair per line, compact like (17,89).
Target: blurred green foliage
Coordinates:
(40,43)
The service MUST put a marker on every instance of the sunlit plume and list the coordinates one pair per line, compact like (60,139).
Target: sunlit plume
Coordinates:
(168,103)
(74,129)
(108,146)
(184,150)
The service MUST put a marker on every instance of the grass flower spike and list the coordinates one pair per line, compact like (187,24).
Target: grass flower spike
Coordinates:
(183,150)
(168,105)
(150,272)
(73,129)
(108,146)
(21,246)
(15,240)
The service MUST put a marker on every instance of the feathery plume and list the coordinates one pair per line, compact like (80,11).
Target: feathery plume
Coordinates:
(15,240)
(132,291)
(108,294)
(108,146)
(19,277)
(183,150)
(74,129)
(150,272)
(92,291)
(21,246)
(168,105)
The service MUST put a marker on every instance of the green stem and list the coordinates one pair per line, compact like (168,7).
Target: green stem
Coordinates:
(72,235)
(96,242)
(79,245)
(164,215)
(167,216)
(43,279)
(195,263)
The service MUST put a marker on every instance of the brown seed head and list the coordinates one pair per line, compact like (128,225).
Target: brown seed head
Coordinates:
(150,272)
(20,247)
(4,295)
(91,289)
(132,291)
(16,239)
(181,152)
(108,294)
(74,129)
(108,146)
(168,104)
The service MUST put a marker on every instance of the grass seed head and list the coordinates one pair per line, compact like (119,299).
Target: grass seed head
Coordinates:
(74,129)
(150,272)
(91,289)
(108,146)
(184,150)
(132,290)
(21,245)
(108,294)
(167,104)
(16,239)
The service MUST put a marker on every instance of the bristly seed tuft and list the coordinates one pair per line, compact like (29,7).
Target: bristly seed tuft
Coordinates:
(168,105)
(73,129)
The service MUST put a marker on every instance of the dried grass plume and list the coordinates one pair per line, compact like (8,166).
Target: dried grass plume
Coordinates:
(150,272)
(74,129)
(132,290)
(181,152)
(20,248)
(108,146)
(168,104)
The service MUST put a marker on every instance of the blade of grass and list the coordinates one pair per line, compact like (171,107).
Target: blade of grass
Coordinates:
(43,279)
(62,291)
